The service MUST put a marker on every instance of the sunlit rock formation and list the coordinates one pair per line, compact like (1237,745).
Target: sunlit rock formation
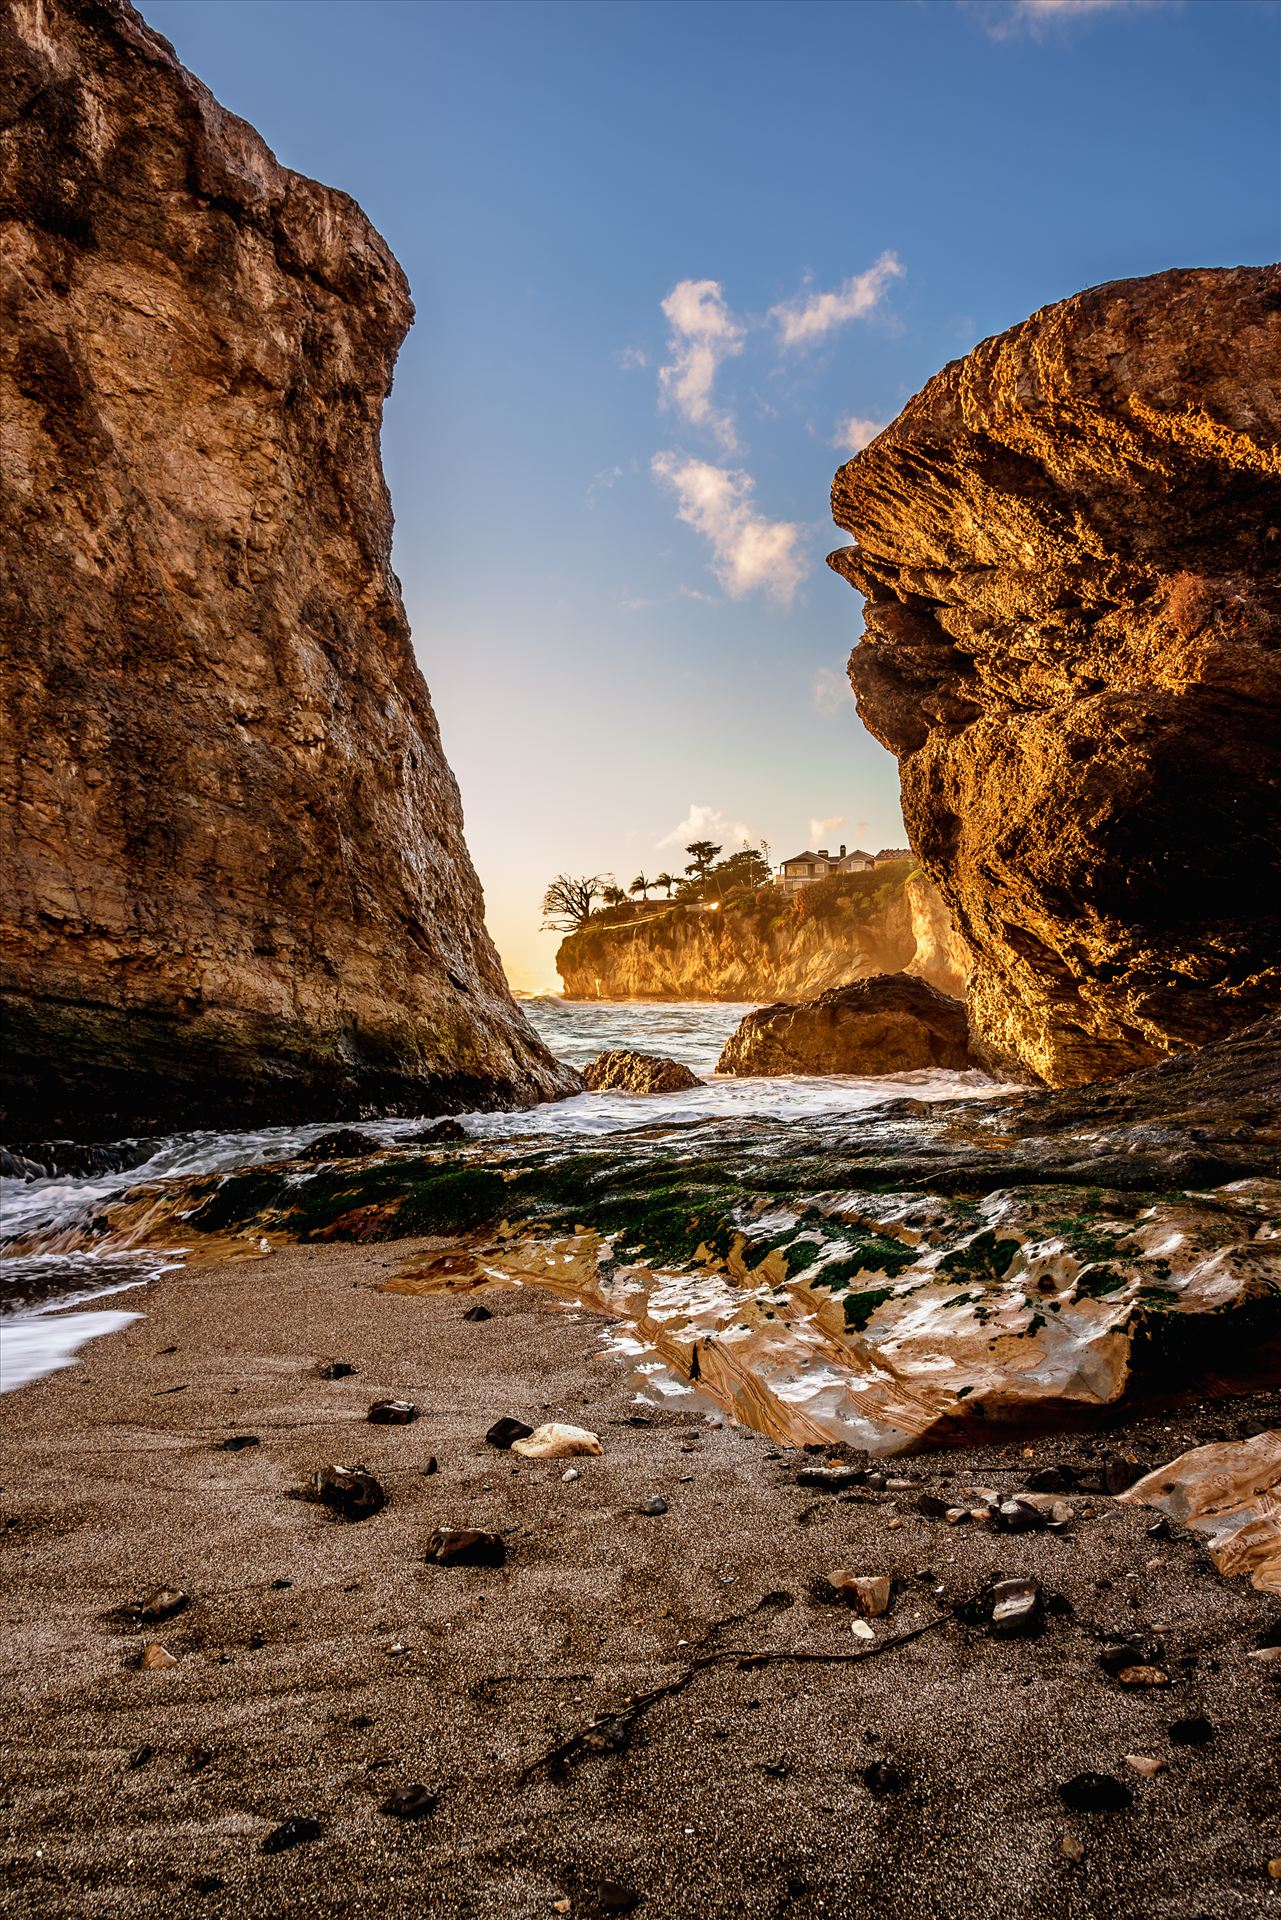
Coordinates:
(892,1023)
(1070,545)
(768,945)
(236,886)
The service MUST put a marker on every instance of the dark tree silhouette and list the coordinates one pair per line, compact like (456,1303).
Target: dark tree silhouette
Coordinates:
(567,903)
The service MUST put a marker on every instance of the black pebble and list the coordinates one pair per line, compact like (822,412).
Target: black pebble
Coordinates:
(613,1897)
(392,1413)
(410,1803)
(1095,1793)
(504,1431)
(336,1370)
(1195,1731)
(478,1313)
(239,1441)
(292,1833)
(883,1777)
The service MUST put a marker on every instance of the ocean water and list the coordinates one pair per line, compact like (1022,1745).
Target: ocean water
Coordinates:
(52,1302)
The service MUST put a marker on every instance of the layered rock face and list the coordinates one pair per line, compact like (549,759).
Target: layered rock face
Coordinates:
(236,886)
(890,1024)
(769,946)
(1070,545)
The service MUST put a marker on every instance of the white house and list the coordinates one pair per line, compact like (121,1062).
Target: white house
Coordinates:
(803,869)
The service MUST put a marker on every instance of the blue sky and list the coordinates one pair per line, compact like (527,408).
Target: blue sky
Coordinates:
(669,260)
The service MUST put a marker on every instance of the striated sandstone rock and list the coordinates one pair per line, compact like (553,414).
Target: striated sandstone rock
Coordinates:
(622,1070)
(1230,1491)
(1070,544)
(941,956)
(767,945)
(892,1023)
(236,887)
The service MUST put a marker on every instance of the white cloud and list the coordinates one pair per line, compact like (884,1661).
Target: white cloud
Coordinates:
(703,333)
(832,690)
(602,482)
(853,434)
(633,357)
(709,823)
(819,829)
(1002,19)
(812,316)
(748,551)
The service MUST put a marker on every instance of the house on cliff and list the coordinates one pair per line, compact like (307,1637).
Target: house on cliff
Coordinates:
(803,869)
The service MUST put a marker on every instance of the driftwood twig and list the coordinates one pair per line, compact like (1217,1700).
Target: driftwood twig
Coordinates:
(610,1732)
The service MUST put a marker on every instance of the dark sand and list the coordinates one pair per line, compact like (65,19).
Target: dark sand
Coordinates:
(741,1796)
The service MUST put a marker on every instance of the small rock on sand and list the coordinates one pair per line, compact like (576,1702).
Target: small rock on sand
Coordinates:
(154,1657)
(412,1802)
(291,1833)
(466,1547)
(556,1442)
(505,1431)
(391,1413)
(163,1604)
(1095,1793)
(351,1493)
(869,1592)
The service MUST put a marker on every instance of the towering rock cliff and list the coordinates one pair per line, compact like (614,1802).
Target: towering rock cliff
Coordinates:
(1070,544)
(767,946)
(235,883)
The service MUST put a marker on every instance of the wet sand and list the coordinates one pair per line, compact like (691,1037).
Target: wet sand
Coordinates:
(323,1664)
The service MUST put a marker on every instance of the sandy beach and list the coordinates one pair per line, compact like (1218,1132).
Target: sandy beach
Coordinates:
(321,1665)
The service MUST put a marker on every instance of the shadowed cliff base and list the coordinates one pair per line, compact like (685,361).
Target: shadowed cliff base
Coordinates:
(1068,547)
(235,881)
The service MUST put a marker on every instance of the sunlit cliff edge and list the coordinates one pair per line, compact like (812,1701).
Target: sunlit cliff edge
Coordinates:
(1070,548)
(766,945)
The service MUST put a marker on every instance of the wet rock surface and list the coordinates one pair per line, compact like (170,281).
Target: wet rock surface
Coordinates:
(892,1023)
(624,1071)
(1070,600)
(935,1271)
(236,887)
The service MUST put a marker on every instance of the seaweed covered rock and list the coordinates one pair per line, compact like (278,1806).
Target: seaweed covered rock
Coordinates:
(236,887)
(893,1023)
(1068,545)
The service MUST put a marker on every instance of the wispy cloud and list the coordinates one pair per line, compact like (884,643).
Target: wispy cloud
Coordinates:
(832,691)
(819,829)
(1003,19)
(703,333)
(810,317)
(748,551)
(853,434)
(708,823)
(602,482)
(632,357)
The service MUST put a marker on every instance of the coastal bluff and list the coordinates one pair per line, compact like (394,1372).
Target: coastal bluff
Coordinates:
(236,886)
(1069,544)
(764,945)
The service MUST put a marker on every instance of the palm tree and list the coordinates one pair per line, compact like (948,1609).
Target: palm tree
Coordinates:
(667,880)
(641,885)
